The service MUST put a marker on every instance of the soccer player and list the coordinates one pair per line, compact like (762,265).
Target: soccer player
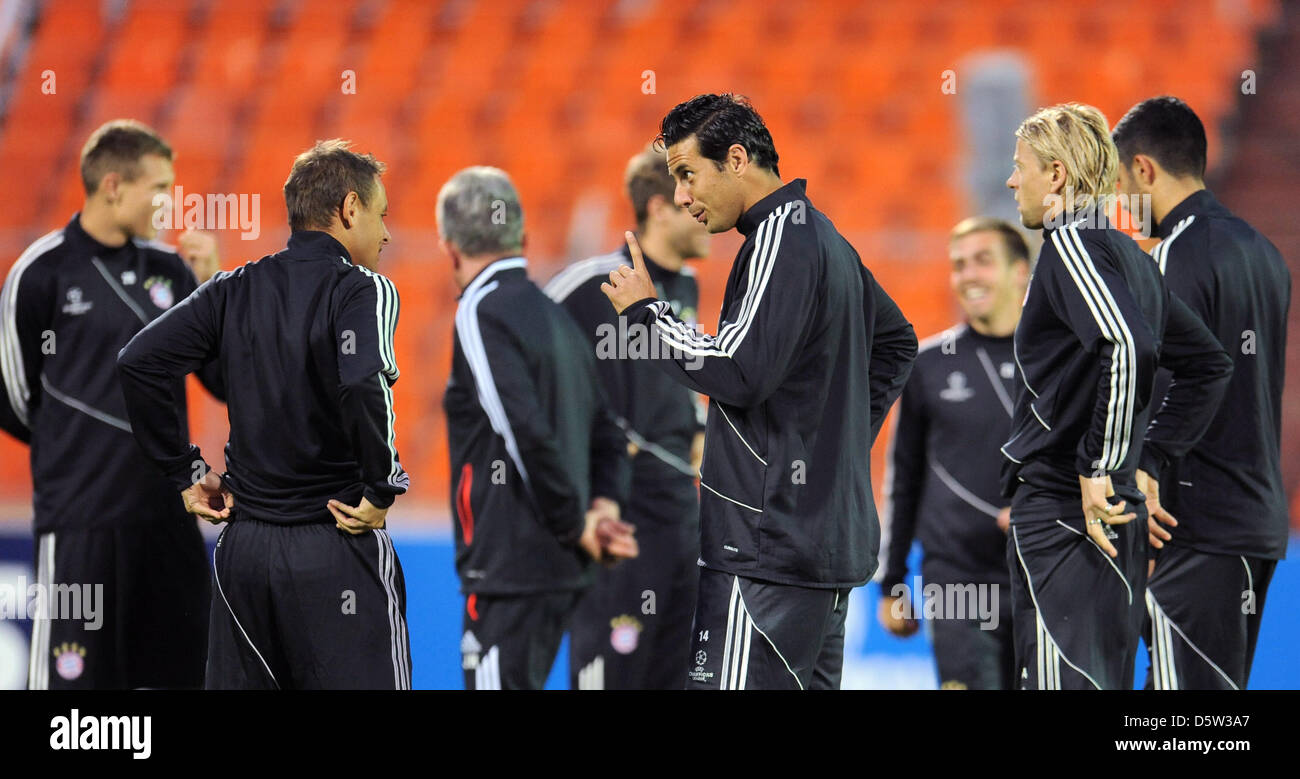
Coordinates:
(309,593)
(105,521)
(1206,594)
(942,484)
(632,628)
(809,355)
(539,466)
(1097,321)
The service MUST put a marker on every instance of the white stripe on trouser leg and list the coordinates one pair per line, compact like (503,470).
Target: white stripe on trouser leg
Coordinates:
(738,641)
(399,619)
(592,675)
(750,628)
(1169,628)
(1161,644)
(1164,673)
(396,622)
(217,578)
(1041,648)
(38,665)
(1038,614)
(50,575)
(34,653)
(744,652)
(729,632)
(1169,648)
(488,674)
(383,570)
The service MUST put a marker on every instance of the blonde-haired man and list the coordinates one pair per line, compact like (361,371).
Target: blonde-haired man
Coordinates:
(1097,321)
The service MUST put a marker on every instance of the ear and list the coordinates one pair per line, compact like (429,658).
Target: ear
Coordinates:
(1021,271)
(1058,177)
(737,159)
(350,210)
(1146,169)
(109,185)
(450,250)
(654,207)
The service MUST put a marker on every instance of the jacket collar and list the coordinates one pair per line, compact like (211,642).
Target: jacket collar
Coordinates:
(1197,203)
(315,244)
(754,216)
(506,266)
(1088,217)
(77,235)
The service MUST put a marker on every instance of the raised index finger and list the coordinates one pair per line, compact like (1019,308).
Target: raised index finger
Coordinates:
(638,260)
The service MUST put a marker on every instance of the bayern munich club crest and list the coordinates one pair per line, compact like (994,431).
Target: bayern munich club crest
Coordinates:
(625,634)
(160,291)
(70,660)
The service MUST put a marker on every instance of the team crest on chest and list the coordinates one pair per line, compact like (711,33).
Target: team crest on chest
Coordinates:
(956,391)
(160,291)
(75,305)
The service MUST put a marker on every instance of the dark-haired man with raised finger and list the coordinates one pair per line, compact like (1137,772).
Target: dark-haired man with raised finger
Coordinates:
(809,355)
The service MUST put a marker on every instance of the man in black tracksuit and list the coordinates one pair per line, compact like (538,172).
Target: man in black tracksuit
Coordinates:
(106,522)
(538,462)
(942,478)
(632,628)
(1097,321)
(308,591)
(1206,594)
(809,355)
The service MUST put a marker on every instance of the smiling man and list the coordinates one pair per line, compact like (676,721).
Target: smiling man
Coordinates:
(309,592)
(809,355)
(942,479)
(1096,323)
(104,514)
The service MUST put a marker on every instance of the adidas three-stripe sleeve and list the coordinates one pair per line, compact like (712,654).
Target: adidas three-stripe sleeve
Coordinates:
(1093,298)
(760,333)
(26,310)
(366,323)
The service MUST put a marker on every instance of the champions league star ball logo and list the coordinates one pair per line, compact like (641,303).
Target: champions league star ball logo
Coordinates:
(625,634)
(70,660)
(160,291)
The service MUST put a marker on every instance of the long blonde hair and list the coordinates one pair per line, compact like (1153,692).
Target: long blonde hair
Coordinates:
(1079,136)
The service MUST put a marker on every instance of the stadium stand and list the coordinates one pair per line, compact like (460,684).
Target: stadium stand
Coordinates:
(559,93)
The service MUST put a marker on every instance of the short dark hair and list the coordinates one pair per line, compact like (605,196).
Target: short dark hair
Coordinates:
(718,121)
(647,176)
(322,177)
(116,147)
(1012,239)
(1167,130)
